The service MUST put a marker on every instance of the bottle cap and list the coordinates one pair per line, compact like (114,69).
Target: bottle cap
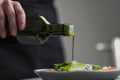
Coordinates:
(71,30)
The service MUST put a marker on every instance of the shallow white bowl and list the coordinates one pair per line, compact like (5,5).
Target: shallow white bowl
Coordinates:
(77,75)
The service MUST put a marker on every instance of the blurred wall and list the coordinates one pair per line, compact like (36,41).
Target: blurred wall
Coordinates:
(95,21)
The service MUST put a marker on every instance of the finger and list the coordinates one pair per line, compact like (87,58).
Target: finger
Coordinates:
(9,10)
(2,25)
(21,17)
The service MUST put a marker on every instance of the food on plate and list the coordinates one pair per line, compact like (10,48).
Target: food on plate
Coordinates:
(78,66)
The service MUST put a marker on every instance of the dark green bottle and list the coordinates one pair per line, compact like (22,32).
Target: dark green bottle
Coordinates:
(38,30)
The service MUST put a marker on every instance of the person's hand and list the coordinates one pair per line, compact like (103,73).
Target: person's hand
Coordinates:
(15,15)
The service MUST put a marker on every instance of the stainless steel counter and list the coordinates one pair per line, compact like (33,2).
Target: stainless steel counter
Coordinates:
(42,79)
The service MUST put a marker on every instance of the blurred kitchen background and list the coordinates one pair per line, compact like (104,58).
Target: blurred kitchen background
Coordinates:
(96,22)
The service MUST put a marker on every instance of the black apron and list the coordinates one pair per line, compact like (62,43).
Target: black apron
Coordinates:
(17,61)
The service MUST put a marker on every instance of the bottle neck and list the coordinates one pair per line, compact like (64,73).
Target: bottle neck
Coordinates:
(60,29)
(55,29)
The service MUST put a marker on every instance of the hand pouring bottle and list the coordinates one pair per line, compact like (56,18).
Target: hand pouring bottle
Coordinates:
(38,30)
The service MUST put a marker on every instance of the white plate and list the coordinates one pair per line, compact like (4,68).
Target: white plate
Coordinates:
(77,75)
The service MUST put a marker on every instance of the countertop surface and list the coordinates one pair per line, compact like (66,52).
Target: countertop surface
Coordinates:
(41,79)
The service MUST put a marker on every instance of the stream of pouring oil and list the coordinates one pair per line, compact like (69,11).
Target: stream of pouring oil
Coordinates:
(73,42)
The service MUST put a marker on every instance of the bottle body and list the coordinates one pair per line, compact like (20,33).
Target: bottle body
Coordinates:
(38,30)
